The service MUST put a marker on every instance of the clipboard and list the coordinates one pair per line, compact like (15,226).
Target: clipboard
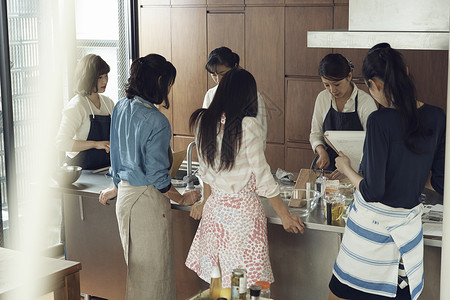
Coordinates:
(351,143)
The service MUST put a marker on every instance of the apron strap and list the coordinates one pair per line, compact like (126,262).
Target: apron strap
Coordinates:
(90,107)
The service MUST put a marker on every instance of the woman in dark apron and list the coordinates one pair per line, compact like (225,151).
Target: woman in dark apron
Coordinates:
(85,124)
(341,106)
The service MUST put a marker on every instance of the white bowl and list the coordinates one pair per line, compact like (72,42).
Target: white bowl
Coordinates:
(66,175)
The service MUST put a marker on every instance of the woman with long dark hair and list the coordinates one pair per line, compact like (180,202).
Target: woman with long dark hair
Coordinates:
(381,255)
(220,61)
(341,106)
(233,227)
(140,163)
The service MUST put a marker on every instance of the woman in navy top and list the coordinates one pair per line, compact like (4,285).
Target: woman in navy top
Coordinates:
(140,163)
(381,255)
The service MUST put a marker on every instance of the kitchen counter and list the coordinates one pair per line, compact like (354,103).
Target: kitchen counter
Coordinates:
(91,228)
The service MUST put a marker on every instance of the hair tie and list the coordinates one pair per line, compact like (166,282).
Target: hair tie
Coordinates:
(350,64)
(141,60)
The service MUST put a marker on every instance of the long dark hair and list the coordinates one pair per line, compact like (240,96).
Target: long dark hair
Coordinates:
(88,69)
(335,67)
(388,65)
(150,78)
(221,56)
(236,96)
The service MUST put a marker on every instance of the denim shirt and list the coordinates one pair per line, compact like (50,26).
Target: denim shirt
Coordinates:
(140,139)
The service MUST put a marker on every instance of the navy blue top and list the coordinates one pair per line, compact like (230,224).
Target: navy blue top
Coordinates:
(140,139)
(394,175)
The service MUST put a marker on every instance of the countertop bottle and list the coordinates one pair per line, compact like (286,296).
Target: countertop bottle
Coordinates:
(216,283)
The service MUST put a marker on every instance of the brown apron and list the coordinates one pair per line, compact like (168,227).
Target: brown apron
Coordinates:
(145,225)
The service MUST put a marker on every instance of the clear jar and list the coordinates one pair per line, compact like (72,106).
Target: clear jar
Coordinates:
(265,288)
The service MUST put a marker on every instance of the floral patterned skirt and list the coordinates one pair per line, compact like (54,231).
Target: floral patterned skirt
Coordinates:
(232,233)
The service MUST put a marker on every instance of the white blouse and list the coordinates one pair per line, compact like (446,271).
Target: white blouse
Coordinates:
(366,105)
(249,159)
(75,122)
(261,116)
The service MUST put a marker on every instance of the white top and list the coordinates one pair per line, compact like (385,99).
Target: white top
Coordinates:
(75,122)
(261,116)
(366,105)
(250,159)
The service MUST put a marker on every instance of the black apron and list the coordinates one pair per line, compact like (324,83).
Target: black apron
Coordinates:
(334,120)
(92,159)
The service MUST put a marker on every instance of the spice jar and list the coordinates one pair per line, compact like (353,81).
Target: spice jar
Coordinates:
(265,288)
(255,292)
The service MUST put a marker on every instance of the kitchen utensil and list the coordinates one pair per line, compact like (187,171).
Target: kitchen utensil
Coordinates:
(66,175)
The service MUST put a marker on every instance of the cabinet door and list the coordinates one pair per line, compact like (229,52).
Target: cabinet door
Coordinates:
(355,55)
(188,2)
(226,29)
(181,143)
(154,37)
(301,60)
(300,100)
(188,56)
(225,2)
(264,56)
(298,157)
(153,2)
(263,2)
(275,156)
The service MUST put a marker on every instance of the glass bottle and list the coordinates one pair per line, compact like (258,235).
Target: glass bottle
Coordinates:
(321,182)
(216,283)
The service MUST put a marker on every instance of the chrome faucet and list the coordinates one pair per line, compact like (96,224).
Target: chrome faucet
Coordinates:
(190,177)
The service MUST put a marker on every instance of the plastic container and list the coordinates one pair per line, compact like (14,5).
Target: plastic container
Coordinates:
(265,288)
(334,203)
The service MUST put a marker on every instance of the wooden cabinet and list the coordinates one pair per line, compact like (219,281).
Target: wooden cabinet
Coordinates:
(188,2)
(264,2)
(225,2)
(156,37)
(226,29)
(264,55)
(153,2)
(310,2)
(300,100)
(301,60)
(299,157)
(188,56)
(275,156)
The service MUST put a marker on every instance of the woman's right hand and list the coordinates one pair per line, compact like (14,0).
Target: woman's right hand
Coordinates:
(190,197)
(324,160)
(197,210)
(102,145)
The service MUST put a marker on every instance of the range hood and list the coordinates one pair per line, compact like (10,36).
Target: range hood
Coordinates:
(405,24)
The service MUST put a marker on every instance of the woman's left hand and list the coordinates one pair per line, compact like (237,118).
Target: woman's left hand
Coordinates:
(342,162)
(292,223)
(190,197)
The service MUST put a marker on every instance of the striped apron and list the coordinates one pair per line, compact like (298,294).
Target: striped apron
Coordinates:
(376,238)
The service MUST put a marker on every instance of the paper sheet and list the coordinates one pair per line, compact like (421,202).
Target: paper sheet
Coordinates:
(349,142)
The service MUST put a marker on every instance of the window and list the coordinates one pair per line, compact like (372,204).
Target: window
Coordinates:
(41,39)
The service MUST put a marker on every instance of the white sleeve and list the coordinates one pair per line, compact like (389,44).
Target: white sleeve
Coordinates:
(72,119)
(366,105)
(266,185)
(316,135)
(262,117)
(209,97)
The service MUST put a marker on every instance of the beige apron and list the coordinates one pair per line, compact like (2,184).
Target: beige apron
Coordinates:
(145,225)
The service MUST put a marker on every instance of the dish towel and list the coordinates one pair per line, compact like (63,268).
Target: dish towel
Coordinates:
(376,238)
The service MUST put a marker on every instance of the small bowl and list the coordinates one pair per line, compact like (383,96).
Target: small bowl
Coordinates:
(301,205)
(66,175)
